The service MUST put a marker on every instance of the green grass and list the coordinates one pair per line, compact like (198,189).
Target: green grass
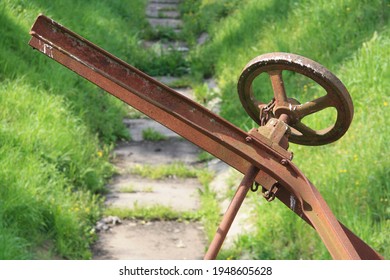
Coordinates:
(50,169)
(151,213)
(205,156)
(176,170)
(127,189)
(203,94)
(56,129)
(164,33)
(152,135)
(351,39)
(173,170)
(209,212)
(131,189)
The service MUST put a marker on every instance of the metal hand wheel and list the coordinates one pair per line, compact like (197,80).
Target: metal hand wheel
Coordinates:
(336,96)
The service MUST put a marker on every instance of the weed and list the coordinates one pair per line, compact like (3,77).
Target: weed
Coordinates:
(147,189)
(181,82)
(160,33)
(150,213)
(177,169)
(205,156)
(134,113)
(202,93)
(209,211)
(152,135)
(127,189)
(132,189)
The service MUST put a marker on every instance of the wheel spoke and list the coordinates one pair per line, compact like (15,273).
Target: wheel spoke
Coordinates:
(304,129)
(313,106)
(278,86)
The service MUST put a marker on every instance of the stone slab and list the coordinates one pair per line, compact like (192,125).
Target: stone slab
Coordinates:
(179,194)
(157,240)
(162,152)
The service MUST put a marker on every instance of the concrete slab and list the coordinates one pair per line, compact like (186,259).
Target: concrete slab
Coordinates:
(137,126)
(162,10)
(128,154)
(179,194)
(165,22)
(157,240)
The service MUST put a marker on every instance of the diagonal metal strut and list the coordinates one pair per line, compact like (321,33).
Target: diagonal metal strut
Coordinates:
(210,132)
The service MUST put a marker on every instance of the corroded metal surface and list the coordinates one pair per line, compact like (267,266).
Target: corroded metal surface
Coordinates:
(231,213)
(241,150)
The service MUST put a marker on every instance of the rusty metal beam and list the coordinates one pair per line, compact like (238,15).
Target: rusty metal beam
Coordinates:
(237,148)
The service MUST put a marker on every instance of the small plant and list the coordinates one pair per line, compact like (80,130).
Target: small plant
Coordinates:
(202,93)
(160,33)
(133,113)
(205,156)
(153,135)
(151,213)
(210,211)
(147,189)
(181,82)
(132,189)
(128,189)
(177,169)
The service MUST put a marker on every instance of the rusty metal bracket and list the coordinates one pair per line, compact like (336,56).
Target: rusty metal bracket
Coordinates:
(270,194)
(262,159)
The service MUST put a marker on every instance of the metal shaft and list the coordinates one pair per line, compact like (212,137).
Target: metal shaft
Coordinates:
(231,213)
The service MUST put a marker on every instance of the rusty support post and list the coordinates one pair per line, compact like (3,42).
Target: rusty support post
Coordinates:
(231,213)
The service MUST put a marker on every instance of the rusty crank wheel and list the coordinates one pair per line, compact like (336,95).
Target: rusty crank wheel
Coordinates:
(336,96)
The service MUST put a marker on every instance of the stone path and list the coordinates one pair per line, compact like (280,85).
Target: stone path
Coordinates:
(139,239)
(165,14)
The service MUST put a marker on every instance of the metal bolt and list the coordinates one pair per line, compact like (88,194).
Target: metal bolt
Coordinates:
(248,139)
(283,161)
